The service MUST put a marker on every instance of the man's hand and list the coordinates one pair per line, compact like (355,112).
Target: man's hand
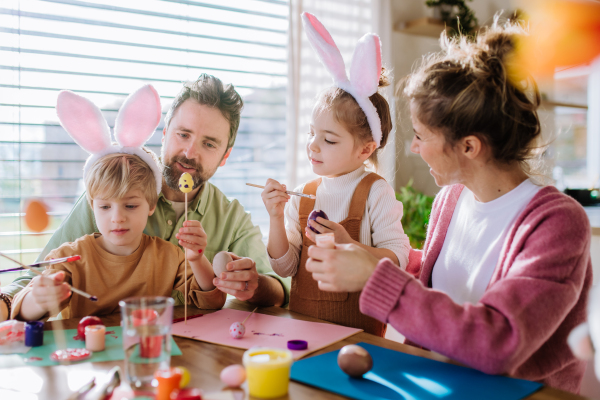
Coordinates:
(323,225)
(49,291)
(241,280)
(347,268)
(193,239)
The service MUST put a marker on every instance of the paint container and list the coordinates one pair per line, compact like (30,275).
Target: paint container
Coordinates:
(268,371)
(167,381)
(95,337)
(34,333)
(326,240)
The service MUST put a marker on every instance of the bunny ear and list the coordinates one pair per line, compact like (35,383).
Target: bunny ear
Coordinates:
(323,44)
(83,121)
(365,69)
(138,117)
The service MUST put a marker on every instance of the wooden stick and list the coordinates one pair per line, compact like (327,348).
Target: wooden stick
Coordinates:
(185,272)
(249,315)
(75,290)
(308,196)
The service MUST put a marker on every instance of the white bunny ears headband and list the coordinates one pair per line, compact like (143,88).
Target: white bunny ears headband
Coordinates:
(365,68)
(136,122)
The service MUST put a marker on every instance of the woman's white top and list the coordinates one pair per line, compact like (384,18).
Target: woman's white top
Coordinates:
(474,240)
(380,227)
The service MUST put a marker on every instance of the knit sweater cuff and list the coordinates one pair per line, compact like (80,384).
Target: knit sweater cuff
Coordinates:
(382,292)
(286,265)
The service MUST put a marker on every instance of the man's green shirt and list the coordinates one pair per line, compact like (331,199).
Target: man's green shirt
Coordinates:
(227,225)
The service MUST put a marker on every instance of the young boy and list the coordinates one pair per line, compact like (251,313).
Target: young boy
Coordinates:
(121,261)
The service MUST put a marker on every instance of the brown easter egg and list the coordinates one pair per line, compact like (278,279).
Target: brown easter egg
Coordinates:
(354,360)
(220,262)
(36,216)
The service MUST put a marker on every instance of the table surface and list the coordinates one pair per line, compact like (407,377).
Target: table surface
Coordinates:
(204,361)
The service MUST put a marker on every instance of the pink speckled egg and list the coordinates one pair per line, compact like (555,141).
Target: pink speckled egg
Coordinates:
(237,330)
(233,376)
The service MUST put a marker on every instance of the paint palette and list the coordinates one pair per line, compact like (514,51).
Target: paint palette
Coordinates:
(70,355)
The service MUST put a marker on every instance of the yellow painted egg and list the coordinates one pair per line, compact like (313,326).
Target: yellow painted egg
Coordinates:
(36,216)
(186,183)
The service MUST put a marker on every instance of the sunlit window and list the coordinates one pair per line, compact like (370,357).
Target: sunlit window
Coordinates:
(106,49)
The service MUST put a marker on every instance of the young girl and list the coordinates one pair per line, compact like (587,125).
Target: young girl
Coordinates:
(350,124)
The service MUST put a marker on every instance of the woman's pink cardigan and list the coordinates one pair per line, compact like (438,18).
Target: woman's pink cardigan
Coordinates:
(537,295)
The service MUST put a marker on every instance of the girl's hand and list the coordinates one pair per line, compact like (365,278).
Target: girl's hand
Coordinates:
(274,197)
(49,291)
(347,268)
(193,239)
(323,225)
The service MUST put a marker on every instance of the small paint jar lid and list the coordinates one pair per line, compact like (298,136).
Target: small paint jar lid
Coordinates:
(297,344)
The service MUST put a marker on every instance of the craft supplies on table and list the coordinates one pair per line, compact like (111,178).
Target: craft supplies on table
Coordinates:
(397,375)
(34,333)
(40,356)
(262,331)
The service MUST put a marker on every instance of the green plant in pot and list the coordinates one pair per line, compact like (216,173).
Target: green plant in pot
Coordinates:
(456,15)
(417,208)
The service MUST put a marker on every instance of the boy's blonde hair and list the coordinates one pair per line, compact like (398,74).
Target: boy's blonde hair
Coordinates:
(114,175)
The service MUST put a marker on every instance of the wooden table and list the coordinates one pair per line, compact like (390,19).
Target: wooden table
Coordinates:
(204,360)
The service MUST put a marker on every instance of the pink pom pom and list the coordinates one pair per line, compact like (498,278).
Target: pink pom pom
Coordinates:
(237,330)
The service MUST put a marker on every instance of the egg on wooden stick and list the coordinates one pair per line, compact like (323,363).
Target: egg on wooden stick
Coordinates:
(186,185)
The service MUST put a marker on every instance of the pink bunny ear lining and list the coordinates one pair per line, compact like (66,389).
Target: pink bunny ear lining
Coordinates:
(319,28)
(138,117)
(378,55)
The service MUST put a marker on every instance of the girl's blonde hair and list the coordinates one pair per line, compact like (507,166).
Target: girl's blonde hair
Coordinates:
(347,112)
(114,175)
(471,87)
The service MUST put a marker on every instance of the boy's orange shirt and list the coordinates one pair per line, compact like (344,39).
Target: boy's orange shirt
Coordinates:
(156,268)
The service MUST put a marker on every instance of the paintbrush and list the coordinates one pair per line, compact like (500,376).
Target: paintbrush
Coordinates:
(308,196)
(79,292)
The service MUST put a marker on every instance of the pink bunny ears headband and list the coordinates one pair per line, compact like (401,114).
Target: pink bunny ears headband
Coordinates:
(136,122)
(365,68)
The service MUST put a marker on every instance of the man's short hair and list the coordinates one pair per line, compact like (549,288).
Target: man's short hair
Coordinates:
(209,90)
(114,175)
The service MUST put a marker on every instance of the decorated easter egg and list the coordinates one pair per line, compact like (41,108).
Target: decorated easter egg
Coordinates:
(314,215)
(36,216)
(220,262)
(233,376)
(237,330)
(85,321)
(186,183)
(354,360)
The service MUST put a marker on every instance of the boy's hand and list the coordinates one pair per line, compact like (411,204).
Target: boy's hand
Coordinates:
(193,239)
(323,225)
(49,291)
(274,197)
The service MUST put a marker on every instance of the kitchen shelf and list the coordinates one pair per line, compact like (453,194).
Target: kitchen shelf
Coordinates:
(430,27)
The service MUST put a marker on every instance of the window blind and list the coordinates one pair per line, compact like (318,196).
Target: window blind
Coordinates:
(106,49)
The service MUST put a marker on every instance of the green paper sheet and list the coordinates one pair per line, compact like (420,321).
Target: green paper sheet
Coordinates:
(113,352)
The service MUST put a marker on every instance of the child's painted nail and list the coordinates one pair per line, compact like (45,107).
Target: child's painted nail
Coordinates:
(200,251)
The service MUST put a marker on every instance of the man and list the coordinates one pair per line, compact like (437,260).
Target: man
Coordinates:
(199,133)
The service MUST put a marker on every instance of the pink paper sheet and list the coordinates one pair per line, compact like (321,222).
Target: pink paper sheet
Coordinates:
(262,331)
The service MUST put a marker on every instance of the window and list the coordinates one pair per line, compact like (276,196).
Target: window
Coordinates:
(106,49)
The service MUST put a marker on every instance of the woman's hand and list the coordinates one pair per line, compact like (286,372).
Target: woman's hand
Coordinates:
(345,269)
(193,239)
(275,197)
(323,225)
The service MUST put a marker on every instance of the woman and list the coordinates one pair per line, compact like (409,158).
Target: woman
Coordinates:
(505,271)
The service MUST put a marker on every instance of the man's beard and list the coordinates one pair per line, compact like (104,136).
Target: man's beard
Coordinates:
(172,173)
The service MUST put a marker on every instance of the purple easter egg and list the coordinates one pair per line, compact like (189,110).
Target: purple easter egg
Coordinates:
(237,330)
(313,215)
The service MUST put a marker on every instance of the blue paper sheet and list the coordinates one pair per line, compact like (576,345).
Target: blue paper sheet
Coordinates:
(401,376)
